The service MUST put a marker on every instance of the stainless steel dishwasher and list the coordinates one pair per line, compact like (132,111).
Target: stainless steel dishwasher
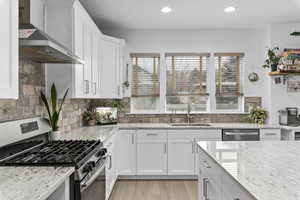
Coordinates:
(240,135)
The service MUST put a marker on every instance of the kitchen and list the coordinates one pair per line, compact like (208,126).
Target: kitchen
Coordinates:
(170,101)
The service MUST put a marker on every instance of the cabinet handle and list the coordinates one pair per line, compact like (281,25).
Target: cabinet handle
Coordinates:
(87,87)
(270,134)
(132,138)
(119,88)
(152,134)
(205,192)
(193,147)
(165,148)
(206,164)
(95,88)
(110,162)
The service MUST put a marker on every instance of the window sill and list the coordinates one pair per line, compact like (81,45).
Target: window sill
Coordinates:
(183,113)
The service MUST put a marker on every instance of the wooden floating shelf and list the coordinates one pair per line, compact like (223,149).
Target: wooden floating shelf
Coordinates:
(283,73)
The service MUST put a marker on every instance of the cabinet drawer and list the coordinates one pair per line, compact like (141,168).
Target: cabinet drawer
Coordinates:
(151,135)
(270,134)
(210,169)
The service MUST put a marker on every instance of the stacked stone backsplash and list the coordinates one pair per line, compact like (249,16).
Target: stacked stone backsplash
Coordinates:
(29,104)
(124,115)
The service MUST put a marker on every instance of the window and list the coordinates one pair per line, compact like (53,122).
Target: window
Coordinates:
(145,89)
(186,82)
(206,84)
(228,81)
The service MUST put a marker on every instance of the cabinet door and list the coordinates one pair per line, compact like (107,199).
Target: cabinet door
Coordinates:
(110,170)
(108,70)
(126,148)
(88,47)
(152,154)
(78,71)
(9,49)
(95,65)
(209,179)
(181,157)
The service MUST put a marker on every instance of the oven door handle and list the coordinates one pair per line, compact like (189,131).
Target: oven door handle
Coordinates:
(86,184)
(241,133)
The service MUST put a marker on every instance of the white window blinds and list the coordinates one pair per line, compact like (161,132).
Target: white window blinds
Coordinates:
(228,70)
(186,74)
(145,75)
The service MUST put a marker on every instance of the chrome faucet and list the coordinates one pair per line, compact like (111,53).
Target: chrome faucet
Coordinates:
(188,114)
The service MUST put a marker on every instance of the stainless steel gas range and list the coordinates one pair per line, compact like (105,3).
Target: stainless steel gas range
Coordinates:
(27,143)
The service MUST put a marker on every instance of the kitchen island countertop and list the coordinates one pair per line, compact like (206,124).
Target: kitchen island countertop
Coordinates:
(268,170)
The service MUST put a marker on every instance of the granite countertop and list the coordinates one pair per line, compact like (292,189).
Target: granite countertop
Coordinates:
(125,126)
(89,133)
(34,183)
(268,170)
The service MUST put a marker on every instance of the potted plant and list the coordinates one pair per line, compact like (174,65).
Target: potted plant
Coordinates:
(90,116)
(258,115)
(53,109)
(273,59)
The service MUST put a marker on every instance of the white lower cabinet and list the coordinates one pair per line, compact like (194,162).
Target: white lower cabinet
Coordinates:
(111,167)
(126,143)
(181,157)
(182,149)
(209,179)
(151,152)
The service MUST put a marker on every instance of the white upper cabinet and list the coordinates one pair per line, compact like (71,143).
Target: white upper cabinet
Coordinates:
(102,56)
(9,49)
(111,67)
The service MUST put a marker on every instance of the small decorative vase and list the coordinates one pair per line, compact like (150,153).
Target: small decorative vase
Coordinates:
(91,122)
(55,135)
(273,68)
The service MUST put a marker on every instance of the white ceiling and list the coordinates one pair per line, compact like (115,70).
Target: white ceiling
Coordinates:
(191,14)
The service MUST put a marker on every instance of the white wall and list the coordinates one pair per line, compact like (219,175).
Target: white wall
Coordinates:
(252,42)
(279,98)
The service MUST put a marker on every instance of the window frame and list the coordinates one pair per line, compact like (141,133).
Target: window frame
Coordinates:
(160,65)
(208,58)
(211,88)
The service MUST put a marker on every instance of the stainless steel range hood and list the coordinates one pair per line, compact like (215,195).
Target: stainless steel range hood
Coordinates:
(38,46)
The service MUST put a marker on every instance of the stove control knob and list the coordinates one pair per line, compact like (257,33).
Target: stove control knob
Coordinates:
(92,164)
(101,152)
(89,167)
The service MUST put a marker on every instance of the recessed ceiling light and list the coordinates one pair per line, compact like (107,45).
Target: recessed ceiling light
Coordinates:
(229,9)
(166,10)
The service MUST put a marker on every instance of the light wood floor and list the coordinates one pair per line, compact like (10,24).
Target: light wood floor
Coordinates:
(155,190)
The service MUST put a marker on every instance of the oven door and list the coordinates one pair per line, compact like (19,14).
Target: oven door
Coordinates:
(94,187)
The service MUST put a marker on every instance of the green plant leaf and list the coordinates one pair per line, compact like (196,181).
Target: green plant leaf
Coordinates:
(62,101)
(44,99)
(55,118)
(53,98)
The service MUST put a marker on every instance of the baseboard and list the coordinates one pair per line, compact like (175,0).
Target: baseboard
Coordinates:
(158,177)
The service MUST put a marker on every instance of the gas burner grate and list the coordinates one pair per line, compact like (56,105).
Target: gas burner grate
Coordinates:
(61,153)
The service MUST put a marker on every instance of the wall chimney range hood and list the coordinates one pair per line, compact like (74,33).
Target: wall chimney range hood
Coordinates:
(36,45)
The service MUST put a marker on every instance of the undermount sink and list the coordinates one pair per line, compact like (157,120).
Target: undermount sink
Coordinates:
(191,124)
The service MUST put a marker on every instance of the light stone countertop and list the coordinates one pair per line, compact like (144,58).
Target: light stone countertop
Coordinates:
(212,126)
(31,183)
(268,170)
(89,133)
